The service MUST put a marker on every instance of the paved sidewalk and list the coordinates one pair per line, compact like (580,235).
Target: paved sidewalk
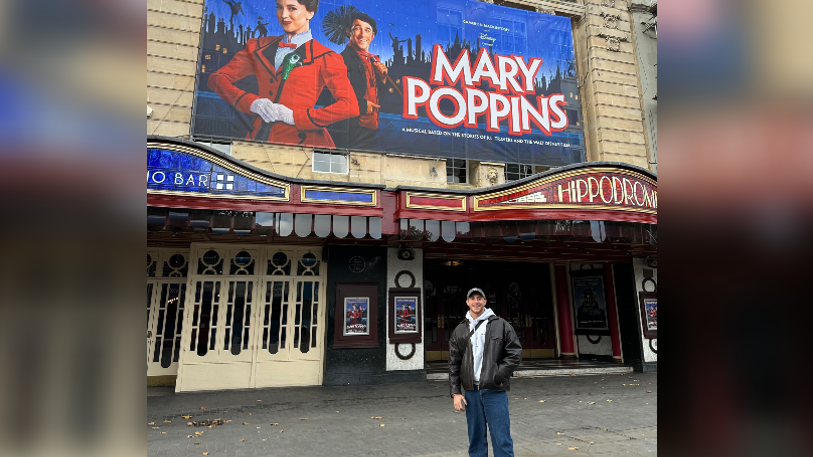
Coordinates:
(418,420)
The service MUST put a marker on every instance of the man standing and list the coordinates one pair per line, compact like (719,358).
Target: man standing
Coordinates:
(363,70)
(483,352)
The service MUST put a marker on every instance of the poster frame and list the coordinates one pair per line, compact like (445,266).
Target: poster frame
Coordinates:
(404,337)
(643,297)
(598,275)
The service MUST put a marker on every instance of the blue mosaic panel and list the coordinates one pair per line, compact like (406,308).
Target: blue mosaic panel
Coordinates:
(338,196)
(182,172)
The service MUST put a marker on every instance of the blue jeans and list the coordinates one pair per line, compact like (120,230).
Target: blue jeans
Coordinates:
(488,407)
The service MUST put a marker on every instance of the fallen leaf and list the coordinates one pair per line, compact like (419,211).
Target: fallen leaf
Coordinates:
(382,425)
(623,384)
(303,418)
(163,433)
(189,424)
(211,423)
(591,403)
(245,423)
(377,417)
(560,433)
(150,423)
(525,398)
(186,416)
(259,400)
(156,428)
(572,448)
(541,401)
(590,442)
(558,444)
(649,391)
(249,414)
(274,423)
(243,441)
(337,410)
(259,427)
(197,443)
(202,407)
(205,453)
(190,436)
(610,401)
(167,422)
(281,431)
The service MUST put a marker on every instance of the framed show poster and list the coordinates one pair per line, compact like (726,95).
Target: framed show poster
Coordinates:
(649,313)
(405,316)
(589,303)
(356,316)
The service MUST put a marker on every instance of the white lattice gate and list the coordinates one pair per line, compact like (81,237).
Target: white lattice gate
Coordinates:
(254,318)
(166,298)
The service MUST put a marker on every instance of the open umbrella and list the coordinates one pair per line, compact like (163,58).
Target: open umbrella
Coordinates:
(336,22)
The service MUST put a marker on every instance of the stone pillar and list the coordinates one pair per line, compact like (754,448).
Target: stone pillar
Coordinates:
(608,73)
(565,315)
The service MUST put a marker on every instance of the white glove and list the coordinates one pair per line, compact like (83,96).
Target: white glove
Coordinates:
(272,112)
(285,114)
(264,108)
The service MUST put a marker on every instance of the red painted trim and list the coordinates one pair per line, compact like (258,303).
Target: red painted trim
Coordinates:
(389,202)
(609,289)
(432,215)
(563,309)
(437,201)
(270,207)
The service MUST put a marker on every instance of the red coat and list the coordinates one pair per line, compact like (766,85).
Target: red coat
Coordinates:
(320,67)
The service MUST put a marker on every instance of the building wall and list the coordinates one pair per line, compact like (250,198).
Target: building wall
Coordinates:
(610,93)
(173,43)
(646,46)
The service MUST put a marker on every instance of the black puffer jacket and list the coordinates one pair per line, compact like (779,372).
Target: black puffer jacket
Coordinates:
(501,356)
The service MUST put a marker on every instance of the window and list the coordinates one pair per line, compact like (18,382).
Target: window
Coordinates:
(222,146)
(456,171)
(329,162)
(515,171)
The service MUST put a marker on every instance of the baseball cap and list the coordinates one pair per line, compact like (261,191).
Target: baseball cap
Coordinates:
(473,290)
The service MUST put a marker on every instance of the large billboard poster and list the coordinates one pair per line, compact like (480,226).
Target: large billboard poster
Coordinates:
(441,78)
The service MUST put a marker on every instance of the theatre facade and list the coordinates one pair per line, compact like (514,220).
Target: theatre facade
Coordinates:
(256,279)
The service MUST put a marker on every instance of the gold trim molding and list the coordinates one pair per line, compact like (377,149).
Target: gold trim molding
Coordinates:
(411,205)
(304,199)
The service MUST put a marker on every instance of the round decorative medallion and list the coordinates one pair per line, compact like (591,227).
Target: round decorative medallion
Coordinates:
(404,279)
(404,357)
(357,264)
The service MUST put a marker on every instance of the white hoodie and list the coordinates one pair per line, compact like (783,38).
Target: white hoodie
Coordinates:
(478,341)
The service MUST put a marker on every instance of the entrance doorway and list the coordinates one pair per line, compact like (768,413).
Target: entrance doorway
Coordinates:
(520,293)
(255,317)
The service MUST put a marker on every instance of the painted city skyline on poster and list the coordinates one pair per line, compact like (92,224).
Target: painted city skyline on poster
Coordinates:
(540,123)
